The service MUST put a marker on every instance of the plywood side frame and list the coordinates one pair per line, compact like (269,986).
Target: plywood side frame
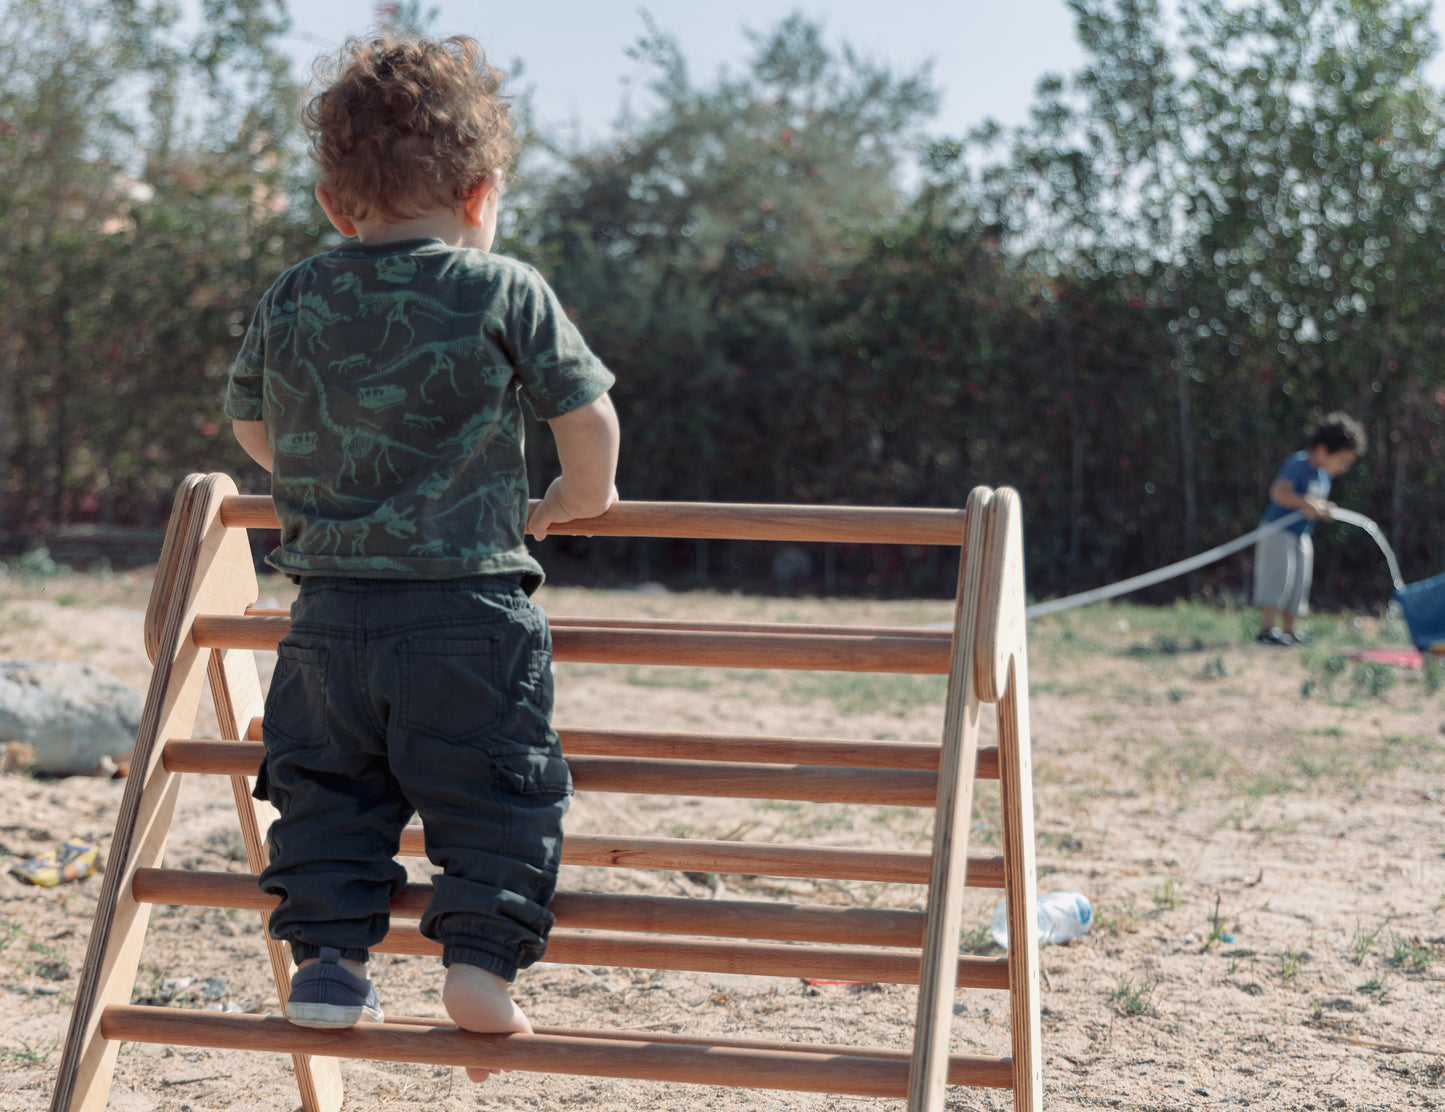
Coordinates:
(197,543)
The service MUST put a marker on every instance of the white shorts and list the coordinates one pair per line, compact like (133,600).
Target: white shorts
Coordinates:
(1283,566)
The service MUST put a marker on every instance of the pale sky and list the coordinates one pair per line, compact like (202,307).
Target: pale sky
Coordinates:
(987,54)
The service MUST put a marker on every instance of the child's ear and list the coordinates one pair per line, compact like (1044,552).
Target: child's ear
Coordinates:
(474,206)
(339,220)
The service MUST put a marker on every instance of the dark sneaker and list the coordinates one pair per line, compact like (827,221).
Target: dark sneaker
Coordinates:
(324,994)
(1275,637)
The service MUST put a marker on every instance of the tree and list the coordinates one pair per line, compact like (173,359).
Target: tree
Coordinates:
(150,198)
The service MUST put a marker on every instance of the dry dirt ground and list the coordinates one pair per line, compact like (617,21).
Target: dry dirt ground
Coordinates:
(1260,830)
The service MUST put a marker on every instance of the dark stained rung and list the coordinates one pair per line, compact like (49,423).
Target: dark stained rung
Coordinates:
(861,926)
(902,651)
(649,1058)
(712,521)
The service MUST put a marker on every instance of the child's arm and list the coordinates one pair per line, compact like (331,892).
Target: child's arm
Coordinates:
(1283,492)
(251,435)
(587,442)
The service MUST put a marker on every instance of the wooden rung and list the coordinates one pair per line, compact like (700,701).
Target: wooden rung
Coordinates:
(758,959)
(649,1058)
(962,1067)
(810,783)
(692,625)
(879,787)
(610,947)
(860,926)
(742,747)
(903,651)
(712,521)
(751,859)
(787,629)
(764,750)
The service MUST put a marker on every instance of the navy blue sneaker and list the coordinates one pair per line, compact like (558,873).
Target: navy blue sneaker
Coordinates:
(324,994)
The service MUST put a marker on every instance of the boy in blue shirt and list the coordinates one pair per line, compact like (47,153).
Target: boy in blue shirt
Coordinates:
(1284,559)
(381,385)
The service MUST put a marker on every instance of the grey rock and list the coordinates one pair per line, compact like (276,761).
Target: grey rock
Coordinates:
(73,716)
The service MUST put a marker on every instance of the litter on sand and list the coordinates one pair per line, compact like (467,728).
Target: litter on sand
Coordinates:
(72,861)
(1400,658)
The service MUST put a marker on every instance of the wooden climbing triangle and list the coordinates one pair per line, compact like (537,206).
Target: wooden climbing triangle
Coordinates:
(203,623)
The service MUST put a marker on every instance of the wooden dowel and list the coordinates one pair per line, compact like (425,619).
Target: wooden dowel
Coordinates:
(657,1059)
(759,959)
(881,787)
(860,926)
(695,625)
(714,521)
(764,750)
(964,1069)
(739,747)
(903,651)
(808,783)
(751,859)
(220,631)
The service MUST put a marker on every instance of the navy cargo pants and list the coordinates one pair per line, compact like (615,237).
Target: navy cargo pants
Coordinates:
(433,697)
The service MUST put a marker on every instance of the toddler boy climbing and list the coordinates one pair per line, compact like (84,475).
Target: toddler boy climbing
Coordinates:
(381,385)
(1284,559)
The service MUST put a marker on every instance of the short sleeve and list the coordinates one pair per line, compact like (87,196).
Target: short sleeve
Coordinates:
(1299,473)
(557,370)
(244,392)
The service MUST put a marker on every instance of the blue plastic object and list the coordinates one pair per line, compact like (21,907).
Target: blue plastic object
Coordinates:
(1424,607)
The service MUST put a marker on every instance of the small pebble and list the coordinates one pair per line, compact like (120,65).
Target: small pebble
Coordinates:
(214,989)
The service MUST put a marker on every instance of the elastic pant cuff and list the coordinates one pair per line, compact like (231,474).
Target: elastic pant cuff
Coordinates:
(301,951)
(490,960)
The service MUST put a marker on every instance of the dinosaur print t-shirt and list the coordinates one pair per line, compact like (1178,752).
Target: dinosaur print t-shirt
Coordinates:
(390,380)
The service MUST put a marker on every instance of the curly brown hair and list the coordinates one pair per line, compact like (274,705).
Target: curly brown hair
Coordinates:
(403,126)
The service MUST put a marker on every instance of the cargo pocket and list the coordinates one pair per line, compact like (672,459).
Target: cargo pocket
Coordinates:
(534,772)
(450,688)
(296,703)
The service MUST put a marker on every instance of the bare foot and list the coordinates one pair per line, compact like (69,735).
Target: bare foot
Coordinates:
(477,1001)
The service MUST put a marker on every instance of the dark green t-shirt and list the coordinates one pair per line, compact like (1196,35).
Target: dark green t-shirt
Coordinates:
(389,378)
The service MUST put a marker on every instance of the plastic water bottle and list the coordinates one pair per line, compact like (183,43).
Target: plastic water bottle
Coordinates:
(1063,917)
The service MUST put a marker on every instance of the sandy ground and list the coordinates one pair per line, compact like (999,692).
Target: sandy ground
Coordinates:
(1261,835)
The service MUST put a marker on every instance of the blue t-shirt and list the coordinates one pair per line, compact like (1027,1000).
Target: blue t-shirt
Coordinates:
(1306,480)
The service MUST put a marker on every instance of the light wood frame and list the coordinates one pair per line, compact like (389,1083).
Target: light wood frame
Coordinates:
(202,622)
